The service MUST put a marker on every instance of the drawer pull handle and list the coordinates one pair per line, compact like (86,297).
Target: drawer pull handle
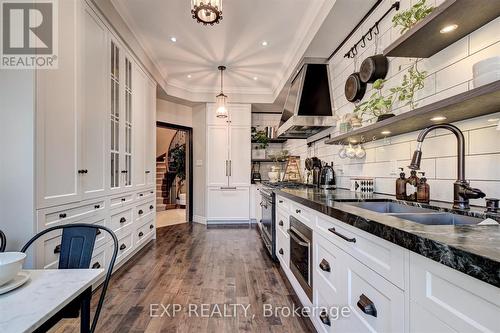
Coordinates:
(367,306)
(297,211)
(123,199)
(323,316)
(97,206)
(151,226)
(141,234)
(123,247)
(141,212)
(280,223)
(62,216)
(151,207)
(123,220)
(152,192)
(96,265)
(147,171)
(57,249)
(281,251)
(325,266)
(333,231)
(141,194)
(124,171)
(280,201)
(98,232)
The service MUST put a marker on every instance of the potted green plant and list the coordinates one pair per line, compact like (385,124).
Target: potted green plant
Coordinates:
(262,142)
(408,18)
(413,81)
(377,105)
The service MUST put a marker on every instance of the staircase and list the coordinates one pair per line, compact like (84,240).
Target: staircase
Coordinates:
(164,180)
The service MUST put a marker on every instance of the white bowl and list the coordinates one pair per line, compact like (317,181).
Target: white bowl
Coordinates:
(486,78)
(11,263)
(485,66)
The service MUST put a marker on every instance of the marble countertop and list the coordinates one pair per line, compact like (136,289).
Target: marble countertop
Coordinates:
(48,291)
(471,249)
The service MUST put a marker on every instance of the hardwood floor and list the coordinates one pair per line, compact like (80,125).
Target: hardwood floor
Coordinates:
(190,264)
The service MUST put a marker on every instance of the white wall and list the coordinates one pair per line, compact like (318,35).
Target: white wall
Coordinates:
(174,113)
(199,160)
(449,73)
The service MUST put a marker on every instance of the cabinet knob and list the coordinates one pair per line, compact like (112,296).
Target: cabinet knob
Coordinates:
(141,234)
(123,199)
(323,316)
(325,266)
(97,206)
(281,251)
(123,220)
(151,207)
(96,265)
(280,223)
(57,249)
(141,212)
(123,247)
(141,194)
(280,201)
(297,211)
(147,171)
(62,215)
(367,306)
(151,226)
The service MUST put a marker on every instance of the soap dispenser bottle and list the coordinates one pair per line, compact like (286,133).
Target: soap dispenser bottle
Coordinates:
(411,186)
(401,186)
(423,189)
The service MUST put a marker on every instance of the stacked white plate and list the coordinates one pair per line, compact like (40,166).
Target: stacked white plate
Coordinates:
(486,71)
(11,275)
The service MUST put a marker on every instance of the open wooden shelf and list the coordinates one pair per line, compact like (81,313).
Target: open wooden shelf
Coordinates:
(266,160)
(473,103)
(425,38)
(272,141)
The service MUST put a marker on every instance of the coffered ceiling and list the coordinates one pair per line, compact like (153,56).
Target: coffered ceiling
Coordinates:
(255,71)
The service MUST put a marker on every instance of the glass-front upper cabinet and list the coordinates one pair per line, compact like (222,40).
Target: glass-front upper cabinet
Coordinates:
(121,105)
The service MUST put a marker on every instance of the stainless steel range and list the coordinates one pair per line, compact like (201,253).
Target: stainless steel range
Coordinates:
(267,224)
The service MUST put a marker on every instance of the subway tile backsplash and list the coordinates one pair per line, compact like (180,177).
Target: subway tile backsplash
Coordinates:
(449,73)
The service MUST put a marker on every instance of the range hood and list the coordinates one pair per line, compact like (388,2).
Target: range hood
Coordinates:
(308,108)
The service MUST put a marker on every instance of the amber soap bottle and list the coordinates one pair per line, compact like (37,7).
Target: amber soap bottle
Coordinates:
(411,186)
(423,190)
(401,186)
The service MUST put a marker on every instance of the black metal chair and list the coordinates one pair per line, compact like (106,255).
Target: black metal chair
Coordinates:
(3,241)
(77,246)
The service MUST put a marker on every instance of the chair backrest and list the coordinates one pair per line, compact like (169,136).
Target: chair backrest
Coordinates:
(77,246)
(3,241)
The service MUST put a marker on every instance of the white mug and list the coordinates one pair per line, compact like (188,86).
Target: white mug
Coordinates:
(350,151)
(360,152)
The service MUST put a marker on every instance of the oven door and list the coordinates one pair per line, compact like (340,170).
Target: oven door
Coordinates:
(301,254)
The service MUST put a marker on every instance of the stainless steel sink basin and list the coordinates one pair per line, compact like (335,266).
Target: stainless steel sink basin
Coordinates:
(390,207)
(439,219)
(416,214)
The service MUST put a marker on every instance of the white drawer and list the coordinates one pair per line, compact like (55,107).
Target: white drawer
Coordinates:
(282,222)
(327,309)
(121,200)
(142,195)
(329,269)
(385,258)
(283,203)
(283,248)
(366,289)
(99,259)
(143,232)
(145,210)
(451,299)
(125,245)
(303,214)
(69,214)
(121,220)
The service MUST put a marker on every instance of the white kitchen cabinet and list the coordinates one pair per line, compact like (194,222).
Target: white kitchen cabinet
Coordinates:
(228,165)
(139,116)
(58,141)
(94,118)
(150,133)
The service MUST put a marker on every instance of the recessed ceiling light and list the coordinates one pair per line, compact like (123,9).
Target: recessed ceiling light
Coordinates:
(255,78)
(264,43)
(493,120)
(438,118)
(189,76)
(385,132)
(449,28)
(173,39)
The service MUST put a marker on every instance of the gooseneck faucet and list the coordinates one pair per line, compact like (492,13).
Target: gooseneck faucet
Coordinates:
(462,191)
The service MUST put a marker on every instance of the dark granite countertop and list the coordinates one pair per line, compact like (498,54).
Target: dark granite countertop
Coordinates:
(471,249)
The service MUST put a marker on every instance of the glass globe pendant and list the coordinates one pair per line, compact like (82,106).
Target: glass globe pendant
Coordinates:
(221,104)
(207,11)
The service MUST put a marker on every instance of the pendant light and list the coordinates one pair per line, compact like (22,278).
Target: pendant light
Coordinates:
(221,106)
(207,11)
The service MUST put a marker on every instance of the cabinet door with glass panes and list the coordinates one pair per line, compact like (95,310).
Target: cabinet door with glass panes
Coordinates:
(121,98)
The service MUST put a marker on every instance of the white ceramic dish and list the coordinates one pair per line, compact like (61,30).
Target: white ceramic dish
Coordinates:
(10,264)
(486,78)
(486,66)
(20,279)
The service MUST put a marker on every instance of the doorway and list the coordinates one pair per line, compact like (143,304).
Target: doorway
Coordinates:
(174,174)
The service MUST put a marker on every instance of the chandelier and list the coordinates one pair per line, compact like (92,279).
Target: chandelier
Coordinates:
(207,11)
(221,104)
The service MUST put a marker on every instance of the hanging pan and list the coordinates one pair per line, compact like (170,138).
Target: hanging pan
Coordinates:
(374,68)
(354,88)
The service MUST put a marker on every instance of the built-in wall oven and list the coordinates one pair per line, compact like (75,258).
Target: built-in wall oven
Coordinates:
(267,223)
(301,254)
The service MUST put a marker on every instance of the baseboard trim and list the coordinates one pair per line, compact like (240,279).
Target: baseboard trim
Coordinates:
(199,219)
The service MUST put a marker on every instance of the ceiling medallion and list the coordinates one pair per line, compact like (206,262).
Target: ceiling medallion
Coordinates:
(207,11)
(221,104)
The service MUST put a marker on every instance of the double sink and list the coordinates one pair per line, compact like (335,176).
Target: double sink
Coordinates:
(417,214)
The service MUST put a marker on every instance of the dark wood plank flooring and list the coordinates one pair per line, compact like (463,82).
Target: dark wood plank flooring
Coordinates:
(190,264)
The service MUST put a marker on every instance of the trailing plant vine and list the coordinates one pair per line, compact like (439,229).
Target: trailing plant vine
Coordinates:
(408,18)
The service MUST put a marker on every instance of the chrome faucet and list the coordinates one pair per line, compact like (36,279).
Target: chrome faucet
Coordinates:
(462,191)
